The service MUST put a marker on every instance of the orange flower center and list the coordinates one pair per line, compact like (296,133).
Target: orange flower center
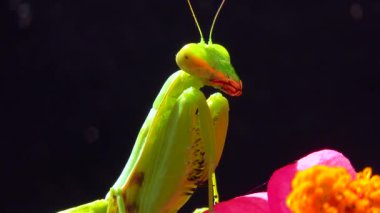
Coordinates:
(323,189)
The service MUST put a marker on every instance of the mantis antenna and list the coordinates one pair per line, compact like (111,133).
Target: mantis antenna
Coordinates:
(196,21)
(213,21)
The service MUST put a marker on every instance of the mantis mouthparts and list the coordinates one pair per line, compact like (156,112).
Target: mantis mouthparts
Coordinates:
(230,87)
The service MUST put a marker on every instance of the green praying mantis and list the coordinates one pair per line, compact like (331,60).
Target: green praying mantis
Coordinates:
(182,139)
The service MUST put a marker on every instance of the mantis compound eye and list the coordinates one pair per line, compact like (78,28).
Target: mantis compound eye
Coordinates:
(222,51)
(210,63)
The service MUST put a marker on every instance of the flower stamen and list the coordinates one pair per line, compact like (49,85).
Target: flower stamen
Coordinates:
(323,189)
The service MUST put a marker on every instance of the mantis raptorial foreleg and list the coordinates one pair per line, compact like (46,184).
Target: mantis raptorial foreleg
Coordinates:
(189,154)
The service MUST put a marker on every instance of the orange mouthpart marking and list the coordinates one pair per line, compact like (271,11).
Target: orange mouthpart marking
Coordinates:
(230,87)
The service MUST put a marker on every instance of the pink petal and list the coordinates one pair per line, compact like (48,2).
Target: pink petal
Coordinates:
(257,202)
(279,185)
(326,157)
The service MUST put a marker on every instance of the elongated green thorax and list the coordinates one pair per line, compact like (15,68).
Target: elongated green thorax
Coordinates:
(211,63)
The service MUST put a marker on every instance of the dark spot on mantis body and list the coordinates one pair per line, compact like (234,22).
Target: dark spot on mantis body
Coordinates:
(190,191)
(198,166)
(196,111)
(131,207)
(138,178)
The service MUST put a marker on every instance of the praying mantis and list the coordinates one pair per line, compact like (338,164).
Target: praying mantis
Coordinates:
(182,139)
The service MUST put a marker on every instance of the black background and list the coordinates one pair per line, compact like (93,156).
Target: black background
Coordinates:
(79,77)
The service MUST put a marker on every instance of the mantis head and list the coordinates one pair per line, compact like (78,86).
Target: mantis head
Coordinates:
(210,63)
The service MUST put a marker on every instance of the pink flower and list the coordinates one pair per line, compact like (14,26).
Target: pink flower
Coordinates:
(279,185)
